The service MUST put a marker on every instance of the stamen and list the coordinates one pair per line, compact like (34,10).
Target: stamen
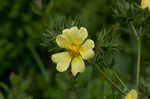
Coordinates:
(74,49)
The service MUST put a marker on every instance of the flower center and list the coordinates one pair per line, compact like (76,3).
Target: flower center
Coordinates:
(74,49)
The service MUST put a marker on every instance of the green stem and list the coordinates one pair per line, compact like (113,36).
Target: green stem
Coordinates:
(138,57)
(37,58)
(122,83)
(107,78)
(138,64)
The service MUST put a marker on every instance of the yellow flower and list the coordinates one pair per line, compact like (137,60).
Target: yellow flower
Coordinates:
(145,4)
(131,95)
(78,49)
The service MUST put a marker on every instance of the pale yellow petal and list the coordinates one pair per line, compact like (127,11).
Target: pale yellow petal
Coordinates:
(77,65)
(87,54)
(131,95)
(89,44)
(128,97)
(75,35)
(83,33)
(86,49)
(62,60)
(66,32)
(145,4)
(63,41)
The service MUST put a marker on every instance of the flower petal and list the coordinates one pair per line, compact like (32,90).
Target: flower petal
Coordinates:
(63,41)
(145,4)
(89,44)
(87,54)
(76,36)
(131,95)
(62,60)
(77,65)
(86,49)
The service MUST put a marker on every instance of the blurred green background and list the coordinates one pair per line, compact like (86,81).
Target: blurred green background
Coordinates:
(27,39)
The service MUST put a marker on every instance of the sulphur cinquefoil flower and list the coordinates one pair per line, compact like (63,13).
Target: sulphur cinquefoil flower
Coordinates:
(131,95)
(78,49)
(145,4)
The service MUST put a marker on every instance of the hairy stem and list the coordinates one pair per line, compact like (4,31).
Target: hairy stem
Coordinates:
(107,78)
(122,83)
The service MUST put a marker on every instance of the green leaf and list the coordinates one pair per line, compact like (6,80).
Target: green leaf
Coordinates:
(5,87)
(24,86)
(1,96)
